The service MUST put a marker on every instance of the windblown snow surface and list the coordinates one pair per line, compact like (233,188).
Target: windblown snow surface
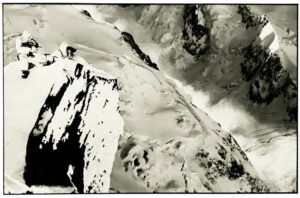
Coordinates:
(168,144)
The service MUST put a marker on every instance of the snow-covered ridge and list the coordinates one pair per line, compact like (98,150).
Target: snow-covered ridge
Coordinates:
(76,130)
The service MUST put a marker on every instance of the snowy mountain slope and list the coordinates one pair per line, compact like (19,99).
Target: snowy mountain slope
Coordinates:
(264,103)
(47,27)
(270,148)
(156,101)
(76,121)
(172,38)
(176,121)
(273,153)
(163,130)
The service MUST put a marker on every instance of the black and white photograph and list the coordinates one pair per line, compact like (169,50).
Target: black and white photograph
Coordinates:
(149,98)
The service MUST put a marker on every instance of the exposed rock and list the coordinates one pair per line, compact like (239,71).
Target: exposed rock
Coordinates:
(268,79)
(85,12)
(129,39)
(251,19)
(195,31)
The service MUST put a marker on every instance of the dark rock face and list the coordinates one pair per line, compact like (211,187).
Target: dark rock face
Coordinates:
(196,36)
(63,144)
(268,79)
(129,39)
(250,19)
(85,12)
(42,165)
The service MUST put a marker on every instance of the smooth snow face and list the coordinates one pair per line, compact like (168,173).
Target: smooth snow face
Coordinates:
(92,10)
(274,155)
(45,24)
(269,38)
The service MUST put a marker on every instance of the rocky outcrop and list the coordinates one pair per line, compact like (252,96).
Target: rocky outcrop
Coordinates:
(268,79)
(196,32)
(250,19)
(263,68)
(86,13)
(129,39)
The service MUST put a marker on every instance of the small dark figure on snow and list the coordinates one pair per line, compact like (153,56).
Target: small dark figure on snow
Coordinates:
(26,48)
(64,51)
